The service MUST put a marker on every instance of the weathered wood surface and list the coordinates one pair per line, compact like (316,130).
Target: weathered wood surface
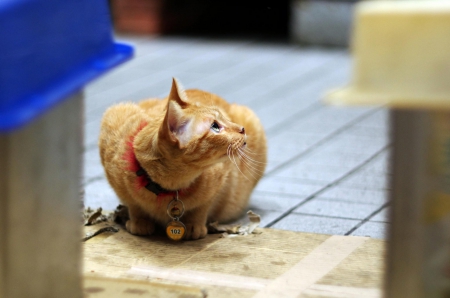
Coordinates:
(110,287)
(39,206)
(275,263)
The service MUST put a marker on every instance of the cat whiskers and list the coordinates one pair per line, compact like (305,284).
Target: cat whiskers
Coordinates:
(250,152)
(253,166)
(231,154)
(250,159)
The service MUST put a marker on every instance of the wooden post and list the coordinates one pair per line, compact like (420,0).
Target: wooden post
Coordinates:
(418,257)
(404,263)
(40,222)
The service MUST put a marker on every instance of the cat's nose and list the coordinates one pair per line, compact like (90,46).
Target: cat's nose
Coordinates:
(242,131)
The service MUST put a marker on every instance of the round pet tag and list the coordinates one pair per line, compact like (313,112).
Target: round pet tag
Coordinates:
(175,230)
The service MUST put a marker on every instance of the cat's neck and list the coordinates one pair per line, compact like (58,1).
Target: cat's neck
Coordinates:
(157,160)
(170,175)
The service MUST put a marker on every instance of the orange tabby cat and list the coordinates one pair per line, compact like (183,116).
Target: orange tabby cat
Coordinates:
(193,142)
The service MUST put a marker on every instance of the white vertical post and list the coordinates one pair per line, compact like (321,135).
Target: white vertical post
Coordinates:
(40,169)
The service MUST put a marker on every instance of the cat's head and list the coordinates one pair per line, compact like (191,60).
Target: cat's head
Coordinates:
(196,129)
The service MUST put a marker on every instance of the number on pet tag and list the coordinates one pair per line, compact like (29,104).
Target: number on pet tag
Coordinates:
(175,230)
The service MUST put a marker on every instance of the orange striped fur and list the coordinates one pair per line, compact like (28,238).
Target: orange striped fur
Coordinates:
(193,141)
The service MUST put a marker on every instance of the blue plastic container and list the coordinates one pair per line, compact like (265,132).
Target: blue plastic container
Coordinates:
(49,49)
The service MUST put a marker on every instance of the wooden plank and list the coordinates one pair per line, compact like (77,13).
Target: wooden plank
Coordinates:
(100,287)
(312,268)
(244,266)
(40,205)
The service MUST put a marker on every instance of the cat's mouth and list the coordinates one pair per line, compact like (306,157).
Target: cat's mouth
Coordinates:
(237,145)
(244,142)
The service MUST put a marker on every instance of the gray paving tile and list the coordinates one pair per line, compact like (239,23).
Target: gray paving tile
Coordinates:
(162,88)
(101,188)
(293,139)
(338,115)
(145,46)
(92,155)
(100,194)
(272,202)
(338,158)
(287,186)
(115,79)
(366,196)
(378,119)
(96,104)
(95,201)
(308,129)
(382,216)
(286,146)
(286,81)
(316,172)
(92,132)
(379,165)
(92,168)
(330,208)
(214,65)
(372,229)
(273,164)
(315,224)
(364,180)
(348,143)
(92,171)
(380,134)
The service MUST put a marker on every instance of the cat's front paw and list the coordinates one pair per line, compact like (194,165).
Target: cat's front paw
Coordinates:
(140,226)
(195,231)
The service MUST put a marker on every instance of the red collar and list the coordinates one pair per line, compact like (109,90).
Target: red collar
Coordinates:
(150,184)
(133,165)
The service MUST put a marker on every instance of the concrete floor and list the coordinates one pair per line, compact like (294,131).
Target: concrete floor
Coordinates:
(328,166)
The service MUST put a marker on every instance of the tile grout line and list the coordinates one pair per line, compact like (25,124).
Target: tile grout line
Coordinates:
(93,179)
(367,219)
(135,58)
(331,216)
(290,210)
(319,143)
(309,74)
(312,108)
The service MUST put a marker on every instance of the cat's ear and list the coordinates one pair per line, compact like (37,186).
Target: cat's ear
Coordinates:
(177,93)
(177,125)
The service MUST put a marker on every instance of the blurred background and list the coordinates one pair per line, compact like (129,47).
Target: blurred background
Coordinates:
(302,21)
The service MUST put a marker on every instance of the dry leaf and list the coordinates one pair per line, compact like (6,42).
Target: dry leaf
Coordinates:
(99,231)
(92,217)
(237,229)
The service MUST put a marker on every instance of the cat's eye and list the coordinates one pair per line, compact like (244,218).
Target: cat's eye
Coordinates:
(215,127)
